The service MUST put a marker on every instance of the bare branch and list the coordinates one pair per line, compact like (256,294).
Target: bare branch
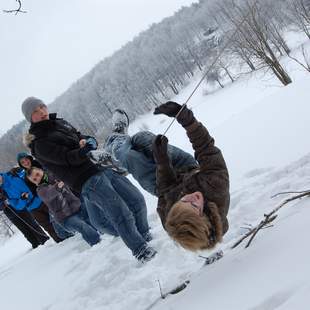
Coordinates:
(268,218)
(18,10)
(293,192)
(305,56)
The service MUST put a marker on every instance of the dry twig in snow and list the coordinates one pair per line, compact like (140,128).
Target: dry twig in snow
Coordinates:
(268,218)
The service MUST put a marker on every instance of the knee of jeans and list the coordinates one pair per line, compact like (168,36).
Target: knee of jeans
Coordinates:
(138,203)
(124,220)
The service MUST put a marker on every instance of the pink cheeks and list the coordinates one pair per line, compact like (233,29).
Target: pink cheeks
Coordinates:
(195,200)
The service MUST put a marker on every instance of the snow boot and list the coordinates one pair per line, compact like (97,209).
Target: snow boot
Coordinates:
(148,237)
(146,254)
(120,121)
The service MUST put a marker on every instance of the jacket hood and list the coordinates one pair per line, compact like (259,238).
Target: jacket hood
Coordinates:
(22,155)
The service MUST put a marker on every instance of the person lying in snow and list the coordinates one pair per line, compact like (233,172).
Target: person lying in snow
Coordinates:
(135,153)
(63,205)
(193,206)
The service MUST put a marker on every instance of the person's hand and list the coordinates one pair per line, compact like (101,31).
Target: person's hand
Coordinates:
(60,184)
(91,142)
(169,108)
(172,109)
(82,143)
(24,196)
(90,145)
(160,149)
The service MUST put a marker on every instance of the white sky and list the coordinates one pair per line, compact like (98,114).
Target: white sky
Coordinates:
(44,51)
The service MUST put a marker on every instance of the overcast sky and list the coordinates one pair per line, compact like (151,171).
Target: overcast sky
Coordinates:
(44,51)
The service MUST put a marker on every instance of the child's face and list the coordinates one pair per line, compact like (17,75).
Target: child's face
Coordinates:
(36,176)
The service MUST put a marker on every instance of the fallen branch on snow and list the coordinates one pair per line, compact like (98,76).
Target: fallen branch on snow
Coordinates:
(268,218)
(293,192)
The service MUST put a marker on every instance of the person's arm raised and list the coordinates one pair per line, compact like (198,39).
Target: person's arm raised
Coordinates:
(207,154)
(165,175)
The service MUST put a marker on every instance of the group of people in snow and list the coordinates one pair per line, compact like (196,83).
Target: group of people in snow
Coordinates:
(66,185)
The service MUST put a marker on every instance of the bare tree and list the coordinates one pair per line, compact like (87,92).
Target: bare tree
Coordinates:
(306,59)
(299,15)
(256,36)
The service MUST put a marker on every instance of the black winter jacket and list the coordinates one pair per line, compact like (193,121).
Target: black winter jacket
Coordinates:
(55,144)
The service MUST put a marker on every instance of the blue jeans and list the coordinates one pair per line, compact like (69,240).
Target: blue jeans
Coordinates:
(61,231)
(136,156)
(97,217)
(76,223)
(122,207)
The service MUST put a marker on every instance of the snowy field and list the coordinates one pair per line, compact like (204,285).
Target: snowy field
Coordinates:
(263,130)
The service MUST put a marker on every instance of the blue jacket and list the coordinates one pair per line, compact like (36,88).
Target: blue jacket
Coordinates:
(14,186)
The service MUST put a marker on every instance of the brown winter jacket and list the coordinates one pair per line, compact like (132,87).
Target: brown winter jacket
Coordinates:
(211,179)
(61,202)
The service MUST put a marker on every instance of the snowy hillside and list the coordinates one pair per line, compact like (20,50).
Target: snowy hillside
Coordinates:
(263,130)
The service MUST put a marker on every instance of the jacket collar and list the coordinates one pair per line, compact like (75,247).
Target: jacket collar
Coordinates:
(44,126)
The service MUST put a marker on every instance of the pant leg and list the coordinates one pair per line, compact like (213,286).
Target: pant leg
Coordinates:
(134,200)
(96,217)
(117,145)
(61,231)
(135,155)
(27,226)
(75,223)
(98,189)
(41,215)
(143,140)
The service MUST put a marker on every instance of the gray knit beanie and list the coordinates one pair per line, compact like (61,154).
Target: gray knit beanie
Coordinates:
(29,105)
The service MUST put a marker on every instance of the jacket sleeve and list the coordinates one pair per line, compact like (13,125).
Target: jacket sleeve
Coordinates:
(16,202)
(165,178)
(47,193)
(209,157)
(59,154)
(69,196)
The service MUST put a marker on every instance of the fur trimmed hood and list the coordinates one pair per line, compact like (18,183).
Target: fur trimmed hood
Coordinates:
(27,139)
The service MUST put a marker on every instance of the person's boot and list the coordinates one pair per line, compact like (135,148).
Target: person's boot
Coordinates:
(120,121)
(146,254)
(148,237)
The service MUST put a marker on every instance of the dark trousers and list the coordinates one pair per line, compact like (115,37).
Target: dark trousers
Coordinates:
(41,215)
(24,221)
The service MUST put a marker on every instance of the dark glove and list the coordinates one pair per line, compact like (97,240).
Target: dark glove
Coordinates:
(86,149)
(92,143)
(171,109)
(160,152)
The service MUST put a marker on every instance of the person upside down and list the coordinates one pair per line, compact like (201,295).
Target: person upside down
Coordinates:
(193,194)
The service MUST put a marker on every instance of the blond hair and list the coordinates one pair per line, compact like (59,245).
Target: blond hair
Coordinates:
(190,230)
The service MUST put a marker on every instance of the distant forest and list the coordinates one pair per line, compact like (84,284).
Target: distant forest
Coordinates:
(160,61)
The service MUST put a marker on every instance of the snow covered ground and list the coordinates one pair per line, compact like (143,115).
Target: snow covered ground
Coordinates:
(263,130)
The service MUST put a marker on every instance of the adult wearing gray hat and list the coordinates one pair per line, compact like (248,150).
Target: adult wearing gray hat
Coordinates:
(62,150)
(30,105)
